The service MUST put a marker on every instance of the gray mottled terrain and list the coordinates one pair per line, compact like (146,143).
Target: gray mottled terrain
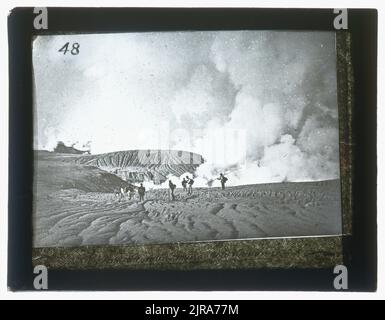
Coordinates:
(75,205)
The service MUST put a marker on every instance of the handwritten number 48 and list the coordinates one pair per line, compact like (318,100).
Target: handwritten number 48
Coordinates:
(74,50)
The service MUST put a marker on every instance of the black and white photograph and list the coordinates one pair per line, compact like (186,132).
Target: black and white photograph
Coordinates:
(168,137)
(203,151)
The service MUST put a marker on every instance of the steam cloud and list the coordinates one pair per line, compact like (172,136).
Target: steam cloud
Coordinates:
(260,106)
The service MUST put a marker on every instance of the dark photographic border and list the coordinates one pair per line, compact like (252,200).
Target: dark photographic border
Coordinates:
(356,58)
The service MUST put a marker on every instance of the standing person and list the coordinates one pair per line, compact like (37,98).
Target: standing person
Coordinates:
(131,192)
(223,180)
(117,193)
(141,191)
(172,188)
(184,184)
(122,194)
(190,183)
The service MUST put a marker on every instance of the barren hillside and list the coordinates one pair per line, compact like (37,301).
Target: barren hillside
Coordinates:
(139,165)
(74,205)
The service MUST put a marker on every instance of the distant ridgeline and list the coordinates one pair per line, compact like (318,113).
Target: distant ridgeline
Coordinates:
(143,165)
(62,148)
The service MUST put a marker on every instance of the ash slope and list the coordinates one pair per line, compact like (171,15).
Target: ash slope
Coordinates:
(71,208)
(55,172)
(139,165)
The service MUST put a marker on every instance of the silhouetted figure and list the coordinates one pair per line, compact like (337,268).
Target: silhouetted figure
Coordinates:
(190,182)
(223,180)
(141,191)
(184,184)
(172,188)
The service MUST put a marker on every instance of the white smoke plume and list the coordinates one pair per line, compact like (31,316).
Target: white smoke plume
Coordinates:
(285,102)
(259,106)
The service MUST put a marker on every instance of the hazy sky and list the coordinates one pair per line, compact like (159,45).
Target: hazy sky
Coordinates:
(265,100)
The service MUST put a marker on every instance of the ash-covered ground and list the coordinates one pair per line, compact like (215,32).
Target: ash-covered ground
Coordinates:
(75,205)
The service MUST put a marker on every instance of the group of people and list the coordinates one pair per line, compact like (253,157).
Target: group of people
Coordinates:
(187,184)
(130,192)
